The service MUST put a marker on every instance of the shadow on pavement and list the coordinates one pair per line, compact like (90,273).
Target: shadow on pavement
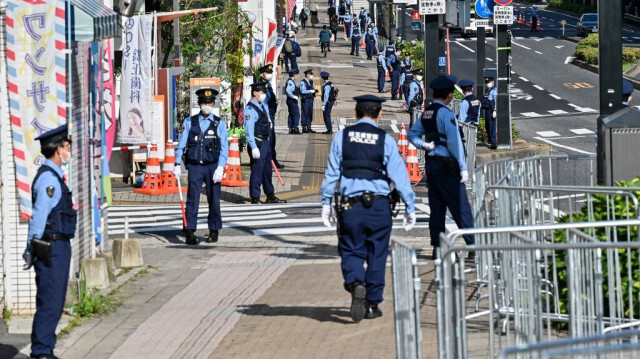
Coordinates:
(321,314)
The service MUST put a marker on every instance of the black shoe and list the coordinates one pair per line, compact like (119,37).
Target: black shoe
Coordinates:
(310,130)
(191,238)
(213,236)
(296,131)
(328,132)
(305,129)
(278,165)
(493,147)
(393,97)
(358,308)
(372,311)
(44,356)
(256,200)
(273,199)
(351,53)
(291,131)
(329,50)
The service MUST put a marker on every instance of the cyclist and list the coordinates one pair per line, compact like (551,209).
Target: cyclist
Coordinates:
(325,40)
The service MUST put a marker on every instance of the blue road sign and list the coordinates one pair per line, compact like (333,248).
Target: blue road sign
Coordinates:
(484,8)
(442,61)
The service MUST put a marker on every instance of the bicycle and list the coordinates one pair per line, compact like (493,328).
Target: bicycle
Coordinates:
(324,47)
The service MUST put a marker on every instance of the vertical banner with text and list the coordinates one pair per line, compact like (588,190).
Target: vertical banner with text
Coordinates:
(36,71)
(135,92)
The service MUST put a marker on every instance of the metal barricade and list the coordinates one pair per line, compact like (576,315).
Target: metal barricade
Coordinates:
(406,303)
(552,170)
(482,200)
(532,282)
(470,134)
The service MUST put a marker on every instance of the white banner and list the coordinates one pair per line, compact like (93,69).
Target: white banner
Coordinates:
(135,90)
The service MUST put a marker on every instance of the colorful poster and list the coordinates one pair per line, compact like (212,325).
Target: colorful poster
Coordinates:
(271,42)
(135,92)
(257,52)
(278,47)
(36,70)
(108,96)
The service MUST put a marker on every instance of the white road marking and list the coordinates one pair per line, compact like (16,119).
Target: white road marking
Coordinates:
(558,112)
(538,87)
(394,122)
(636,38)
(531,114)
(395,129)
(538,52)
(517,44)
(568,60)
(581,131)
(534,38)
(559,46)
(465,47)
(582,109)
(523,79)
(563,146)
(548,134)
(555,96)
(489,59)
(341,127)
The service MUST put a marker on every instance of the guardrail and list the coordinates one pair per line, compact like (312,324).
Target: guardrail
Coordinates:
(406,294)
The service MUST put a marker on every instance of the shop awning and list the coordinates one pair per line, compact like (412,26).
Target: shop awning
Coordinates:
(92,21)
(166,16)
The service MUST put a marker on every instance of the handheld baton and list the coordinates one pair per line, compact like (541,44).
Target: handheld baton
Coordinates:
(184,215)
(273,164)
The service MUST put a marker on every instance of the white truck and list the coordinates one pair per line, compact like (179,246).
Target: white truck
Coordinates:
(472,29)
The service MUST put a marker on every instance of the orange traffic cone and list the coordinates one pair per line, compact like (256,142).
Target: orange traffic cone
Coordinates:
(539,24)
(402,142)
(152,182)
(412,164)
(232,172)
(169,182)
(362,44)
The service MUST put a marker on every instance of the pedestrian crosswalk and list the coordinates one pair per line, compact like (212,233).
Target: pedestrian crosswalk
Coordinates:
(571,132)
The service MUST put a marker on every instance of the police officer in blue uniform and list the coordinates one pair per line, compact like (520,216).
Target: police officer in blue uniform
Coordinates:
(470,105)
(415,97)
(327,101)
(363,161)
(405,65)
(627,90)
(355,36)
(258,131)
(51,226)
(445,164)
(308,92)
(370,43)
(393,64)
(266,74)
(489,108)
(293,96)
(348,18)
(204,142)
(382,69)
(389,50)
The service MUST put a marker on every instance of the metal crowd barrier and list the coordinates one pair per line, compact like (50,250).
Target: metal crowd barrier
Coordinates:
(483,202)
(519,300)
(470,133)
(406,294)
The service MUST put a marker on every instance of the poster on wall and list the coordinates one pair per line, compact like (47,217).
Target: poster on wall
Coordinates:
(135,92)
(196,84)
(36,79)
(157,130)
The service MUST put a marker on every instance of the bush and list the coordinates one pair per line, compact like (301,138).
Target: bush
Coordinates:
(563,5)
(591,41)
(587,51)
(588,55)
(482,133)
(630,55)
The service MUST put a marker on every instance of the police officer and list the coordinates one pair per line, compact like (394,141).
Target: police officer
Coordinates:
(327,101)
(382,69)
(258,130)
(445,164)
(489,107)
(393,64)
(51,226)
(389,50)
(355,36)
(470,105)
(348,18)
(308,92)
(293,96)
(405,65)
(370,43)
(362,17)
(363,161)
(415,97)
(205,141)
(266,74)
(627,90)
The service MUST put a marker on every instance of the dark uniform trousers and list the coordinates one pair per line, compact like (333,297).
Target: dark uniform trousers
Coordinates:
(293,120)
(197,175)
(326,115)
(51,284)
(272,136)
(490,126)
(294,62)
(364,237)
(355,45)
(395,82)
(370,47)
(446,191)
(381,78)
(307,111)
(261,172)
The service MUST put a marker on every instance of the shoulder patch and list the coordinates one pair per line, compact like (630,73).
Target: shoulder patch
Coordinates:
(247,117)
(50,191)
(453,121)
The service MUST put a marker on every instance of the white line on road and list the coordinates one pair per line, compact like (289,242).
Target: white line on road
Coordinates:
(531,114)
(582,109)
(465,47)
(563,146)
(395,129)
(581,131)
(555,96)
(558,112)
(538,52)
(523,79)
(538,87)
(568,60)
(517,44)
(548,134)
(489,59)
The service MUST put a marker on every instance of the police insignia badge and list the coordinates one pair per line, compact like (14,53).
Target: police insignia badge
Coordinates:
(50,191)
(247,117)
(208,93)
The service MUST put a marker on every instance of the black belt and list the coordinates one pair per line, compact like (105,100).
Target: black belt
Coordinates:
(358,199)
(55,237)
(440,158)
(262,138)
(201,163)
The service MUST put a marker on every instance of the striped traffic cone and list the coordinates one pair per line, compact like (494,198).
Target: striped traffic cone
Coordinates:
(169,182)
(402,142)
(539,24)
(413,166)
(232,172)
(152,181)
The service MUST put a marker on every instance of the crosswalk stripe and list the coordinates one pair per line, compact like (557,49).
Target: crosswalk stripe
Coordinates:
(538,87)
(558,112)
(548,134)
(581,131)
(555,96)
(531,114)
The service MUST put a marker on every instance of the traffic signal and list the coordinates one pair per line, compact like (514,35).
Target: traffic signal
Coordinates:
(415,21)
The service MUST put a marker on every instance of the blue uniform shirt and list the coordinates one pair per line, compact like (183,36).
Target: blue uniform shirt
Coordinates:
(492,96)
(382,62)
(355,31)
(327,90)
(306,86)
(414,89)
(374,31)
(448,125)
(462,112)
(350,187)
(347,18)
(391,59)
(291,87)
(204,124)
(406,64)
(44,204)
(534,12)
(251,122)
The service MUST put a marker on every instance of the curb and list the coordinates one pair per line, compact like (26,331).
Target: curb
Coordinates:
(594,69)
(530,149)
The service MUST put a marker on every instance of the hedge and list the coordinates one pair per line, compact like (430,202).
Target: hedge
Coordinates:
(587,51)
(579,9)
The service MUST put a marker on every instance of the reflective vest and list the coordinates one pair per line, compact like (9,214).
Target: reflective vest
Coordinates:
(262,128)
(63,218)
(363,152)
(203,148)
(474,108)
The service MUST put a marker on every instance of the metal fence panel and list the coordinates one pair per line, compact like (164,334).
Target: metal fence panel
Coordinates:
(406,295)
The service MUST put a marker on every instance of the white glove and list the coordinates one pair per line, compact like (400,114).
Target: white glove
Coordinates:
(326,214)
(465,176)
(255,153)
(296,98)
(217,175)
(494,114)
(428,146)
(322,108)
(177,170)
(409,221)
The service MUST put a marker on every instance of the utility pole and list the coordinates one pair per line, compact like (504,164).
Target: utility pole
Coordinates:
(480,62)
(431,41)
(176,31)
(502,102)
(610,43)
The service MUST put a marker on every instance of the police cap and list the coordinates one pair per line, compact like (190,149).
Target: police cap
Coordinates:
(369,100)
(443,82)
(627,87)
(417,72)
(489,78)
(309,71)
(293,72)
(207,95)
(57,134)
(324,75)
(266,68)
(465,83)
(380,48)
(258,86)
(407,53)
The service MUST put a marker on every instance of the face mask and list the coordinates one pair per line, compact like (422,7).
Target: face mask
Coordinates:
(268,77)
(310,77)
(419,78)
(262,97)
(66,159)
(206,109)
(490,84)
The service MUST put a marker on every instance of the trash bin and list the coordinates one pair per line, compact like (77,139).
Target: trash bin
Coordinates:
(621,138)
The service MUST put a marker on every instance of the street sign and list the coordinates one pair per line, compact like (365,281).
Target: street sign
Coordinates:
(432,7)
(482,9)
(483,23)
(442,61)
(563,22)
(503,15)
(503,2)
